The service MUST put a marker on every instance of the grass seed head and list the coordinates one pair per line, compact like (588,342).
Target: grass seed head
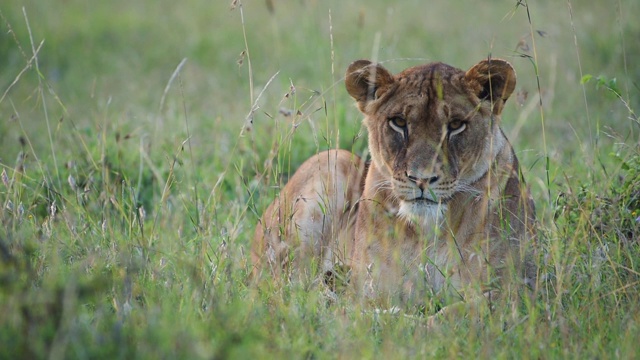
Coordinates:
(5,178)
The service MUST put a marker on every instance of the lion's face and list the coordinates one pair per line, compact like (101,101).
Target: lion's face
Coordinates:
(433,129)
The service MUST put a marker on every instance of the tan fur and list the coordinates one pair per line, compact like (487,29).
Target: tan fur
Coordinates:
(313,215)
(443,210)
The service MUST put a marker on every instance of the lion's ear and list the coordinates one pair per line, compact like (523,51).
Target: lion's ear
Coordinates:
(492,80)
(366,81)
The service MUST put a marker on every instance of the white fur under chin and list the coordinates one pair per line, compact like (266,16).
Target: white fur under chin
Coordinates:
(426,216)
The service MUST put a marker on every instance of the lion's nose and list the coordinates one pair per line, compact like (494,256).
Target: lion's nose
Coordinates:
(423,181)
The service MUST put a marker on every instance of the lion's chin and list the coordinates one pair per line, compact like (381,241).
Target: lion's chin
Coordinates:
(425,214)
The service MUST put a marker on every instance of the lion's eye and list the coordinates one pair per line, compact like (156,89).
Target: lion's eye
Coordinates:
(399,121)
(456,126)
(399,124)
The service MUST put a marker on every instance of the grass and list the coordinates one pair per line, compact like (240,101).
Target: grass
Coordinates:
(131,183)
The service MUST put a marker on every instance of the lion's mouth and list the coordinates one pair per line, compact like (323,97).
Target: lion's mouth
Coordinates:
(427,201)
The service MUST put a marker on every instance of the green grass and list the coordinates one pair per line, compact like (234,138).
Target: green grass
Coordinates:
(129,196)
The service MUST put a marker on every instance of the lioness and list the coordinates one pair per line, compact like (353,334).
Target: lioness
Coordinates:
(442,208)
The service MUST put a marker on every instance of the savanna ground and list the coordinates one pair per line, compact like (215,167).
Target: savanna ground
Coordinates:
(140,141)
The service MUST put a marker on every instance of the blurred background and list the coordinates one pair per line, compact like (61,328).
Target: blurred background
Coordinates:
(109,63)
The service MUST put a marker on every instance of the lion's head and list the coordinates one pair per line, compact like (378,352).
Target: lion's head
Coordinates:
(433,129)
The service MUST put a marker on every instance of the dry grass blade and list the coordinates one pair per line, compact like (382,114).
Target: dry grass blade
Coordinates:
(26,67)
